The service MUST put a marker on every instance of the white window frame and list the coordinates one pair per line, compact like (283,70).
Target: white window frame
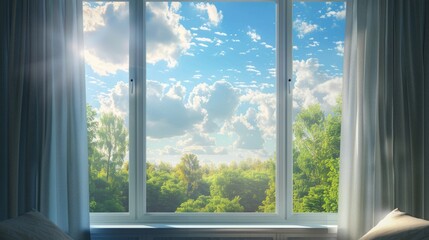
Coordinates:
(284,189)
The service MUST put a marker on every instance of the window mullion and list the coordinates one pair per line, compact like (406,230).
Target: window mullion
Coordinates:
(288,101)
(138,61)
(281,36)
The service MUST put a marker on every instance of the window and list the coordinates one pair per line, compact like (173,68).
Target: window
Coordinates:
(192,119)
(318,47)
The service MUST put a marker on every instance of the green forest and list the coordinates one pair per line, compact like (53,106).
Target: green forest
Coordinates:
(240,186)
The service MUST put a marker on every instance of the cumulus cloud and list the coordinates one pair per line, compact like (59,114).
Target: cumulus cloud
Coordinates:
(167,38)
(169,150)
(215,16)
(330,90)
(249,136)
(218,101)
(313,86)
(116,101)
(93,17)
(196,139)
(106,27)
(191,118)
(253,35)
(166,114)
(304,28)
(106,43)
(340,14)
(339,48)
(204,150)
(265,104)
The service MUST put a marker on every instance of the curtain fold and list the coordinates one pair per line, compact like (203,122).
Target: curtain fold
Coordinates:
(44,154)
(384,141)
(4,31)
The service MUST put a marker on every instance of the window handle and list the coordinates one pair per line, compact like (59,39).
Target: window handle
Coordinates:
(289,84)
(132,86)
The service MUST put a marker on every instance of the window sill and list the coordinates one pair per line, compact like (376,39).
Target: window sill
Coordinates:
(331,228)
(188,230)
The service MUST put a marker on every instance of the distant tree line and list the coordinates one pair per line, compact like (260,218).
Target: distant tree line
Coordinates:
(245,186)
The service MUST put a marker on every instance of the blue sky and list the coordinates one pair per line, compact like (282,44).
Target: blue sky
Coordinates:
(211,72)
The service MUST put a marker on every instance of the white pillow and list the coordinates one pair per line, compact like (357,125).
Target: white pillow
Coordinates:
(399,225)
(31,225)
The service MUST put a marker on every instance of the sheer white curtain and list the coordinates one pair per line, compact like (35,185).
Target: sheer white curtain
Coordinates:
(385,128)
(43,123)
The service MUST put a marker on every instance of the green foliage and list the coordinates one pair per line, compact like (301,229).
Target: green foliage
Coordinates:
(211,204)
(112,142)
(108,170)
(189,172)
(164,189)
(248,181)
(245,186)
(316,155)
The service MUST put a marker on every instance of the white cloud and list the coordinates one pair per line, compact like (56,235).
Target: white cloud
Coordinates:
(251,68)
(249,136)
(167,115)
(203,45)
(205,150)
(115,101)
(339,48)
(304,28)
(314,44)
(272,72)
(253,35)
(201,39)
(295,47)
(266,45)
(196,139)
(313,86)
(218,101)
(235,40)
(233,70)
(167,39)
(106,42)
(107,27)
(169,150)
(265,103)
(101,66)
(219,42)
(330,90)
(220,33)
(93,17)
(96,81)
(215,16)
(205,28)
(197,76)
(340,14)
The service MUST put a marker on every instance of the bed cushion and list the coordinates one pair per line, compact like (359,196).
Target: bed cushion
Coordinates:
(399,225)
(31,225)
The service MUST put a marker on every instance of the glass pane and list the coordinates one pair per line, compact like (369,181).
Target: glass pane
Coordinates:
(318,46)
(106,36)
(211,106)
